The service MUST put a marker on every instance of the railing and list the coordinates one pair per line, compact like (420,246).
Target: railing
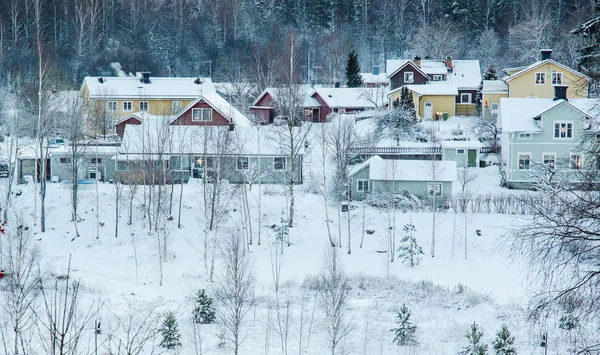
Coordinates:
(396,150)
(486,150)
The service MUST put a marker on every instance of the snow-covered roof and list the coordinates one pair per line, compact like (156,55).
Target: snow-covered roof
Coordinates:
(434,89)
(158,88)
(407,170)
(590,107)
(543,62)
(222,106)
(494,86)
(31,152)
(351,97)
(305,91)
(466,74)
(461,144)
(372,78)
(516,114)
(394,65)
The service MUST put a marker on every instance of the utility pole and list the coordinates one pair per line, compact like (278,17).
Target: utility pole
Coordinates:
(544,343)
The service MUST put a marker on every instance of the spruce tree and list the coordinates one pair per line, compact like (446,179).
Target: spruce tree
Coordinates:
(404,333)
(490,73)
(282,231)
(171,338)
(407,104)
(475,346)
(409,251)
(204,312)
(353,78)
(504,342)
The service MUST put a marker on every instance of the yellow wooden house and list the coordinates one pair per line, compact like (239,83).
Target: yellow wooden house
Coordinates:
(107,99)
(536,81)
(431,101)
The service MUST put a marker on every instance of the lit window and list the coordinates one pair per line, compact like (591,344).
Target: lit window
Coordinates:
(549,160)
(279,164)
(409,77)
(242,163)
(176,106)
(540,78)
(434,187)
(524,135)
(201,115)
(556,78)
(143,106)
(363,185)
(524,161)
(563,130)
(112,106)
(576,161)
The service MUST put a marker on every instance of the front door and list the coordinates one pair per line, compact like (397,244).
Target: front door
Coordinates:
(472,158)
(428,110)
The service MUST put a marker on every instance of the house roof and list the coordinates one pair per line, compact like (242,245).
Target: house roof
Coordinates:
(306,92)
(350,97)
(136,115)
(159,88)
(461,144)
(220,105)
(406,170)
(494,86)
(372,78)
(516,114)
(393,66)
(543,62)
(465,74)
(434,89)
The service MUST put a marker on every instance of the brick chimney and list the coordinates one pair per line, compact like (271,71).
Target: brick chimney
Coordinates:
(449,63)
(560,92)
(145,77)
(417,61)
(545,54)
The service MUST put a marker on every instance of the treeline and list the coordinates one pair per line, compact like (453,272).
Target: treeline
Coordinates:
(249,39)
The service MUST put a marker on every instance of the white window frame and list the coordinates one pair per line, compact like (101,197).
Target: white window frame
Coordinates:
(519,161)
(431,187)
(544,160)
(144,103)
(241,167)
(571,161)
(96,160)
(284,163)
(64,160)
(566,130)
(125,106)
(176,106)
(113,106)
(540,78)
(467,94)
(360,185)
(438,77)
(524,135)
(202,117)
(409,77)
(556,77)
(460,152)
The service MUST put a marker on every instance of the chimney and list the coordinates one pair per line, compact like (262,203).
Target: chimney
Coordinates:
(197,81)
(54,90)
(417,61)
(560,92)
(545,54)
(145,77)
(449,63)
(337,84)
(101,81)
(375,70)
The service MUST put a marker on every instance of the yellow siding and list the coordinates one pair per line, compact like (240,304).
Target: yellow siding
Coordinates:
(440,104)
(489,99)
(524,85)
(155,107)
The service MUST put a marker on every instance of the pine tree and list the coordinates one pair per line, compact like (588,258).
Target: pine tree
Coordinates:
(204,312)
(171,338)
(490,73)
(504,342)
(282,231)
(409,251)
(353,78)
(404,333)
(475,346)
(407,104)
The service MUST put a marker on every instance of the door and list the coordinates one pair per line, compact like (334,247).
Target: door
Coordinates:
(428,110)
(472,158)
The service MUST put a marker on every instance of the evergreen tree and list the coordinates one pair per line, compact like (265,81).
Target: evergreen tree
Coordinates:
(504,344)
(171,338)
(475,346)
(204,312)
(407,104)
(590,52)
(353,78)
(282,231)
(490,73)
(409,251)
(404,333)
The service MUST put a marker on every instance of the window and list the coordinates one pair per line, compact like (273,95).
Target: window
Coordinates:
(409,77)
(122,165)
(556,78)
(207,163)
(434,187)
(112,106)
(576,161)
(465,98)
(64,160)
(524,161)
(363,185)
(549,160)
(176,106)
(524,135)
(127,106)
(460,152)
(308,113)
(438,77)
(540,78)
(494,108)
(143,106)
(242,163)
(563,130)
(279,163)
(201,114)
(96,161)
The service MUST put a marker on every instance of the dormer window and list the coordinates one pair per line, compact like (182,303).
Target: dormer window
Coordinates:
(540,78)
(438,77)
(409,77)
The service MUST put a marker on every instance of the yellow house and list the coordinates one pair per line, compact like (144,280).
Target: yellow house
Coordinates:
(537,80)
(431,101)
(108,99)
